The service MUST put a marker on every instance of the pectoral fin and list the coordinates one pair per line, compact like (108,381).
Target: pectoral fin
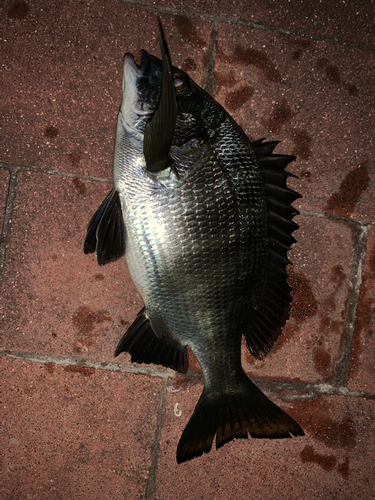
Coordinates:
(106,231)
(159,131)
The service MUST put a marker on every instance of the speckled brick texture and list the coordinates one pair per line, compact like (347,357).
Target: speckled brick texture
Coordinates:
(4,183)
(63,68)
(56,300)
(339,20)
(74,432)
(362,367)
(79,423)
(294,89)
(321,289)
(334,460)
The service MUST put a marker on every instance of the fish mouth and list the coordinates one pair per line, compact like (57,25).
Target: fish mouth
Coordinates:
(134,108)
(143,69)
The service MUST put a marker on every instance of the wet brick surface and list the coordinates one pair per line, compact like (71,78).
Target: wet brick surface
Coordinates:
(79,423)
(76,432)
(362,369)
(333,460)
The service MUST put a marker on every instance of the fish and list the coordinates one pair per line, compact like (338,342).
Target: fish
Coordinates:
(203,217)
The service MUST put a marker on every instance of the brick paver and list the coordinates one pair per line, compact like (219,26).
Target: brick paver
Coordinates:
(78,423)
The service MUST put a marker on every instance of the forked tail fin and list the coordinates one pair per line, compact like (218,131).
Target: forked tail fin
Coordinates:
(233,416)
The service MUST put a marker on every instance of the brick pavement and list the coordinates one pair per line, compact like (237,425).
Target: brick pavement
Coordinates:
(78,423)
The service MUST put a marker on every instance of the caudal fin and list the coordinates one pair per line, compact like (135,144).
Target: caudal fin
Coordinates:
(233,416)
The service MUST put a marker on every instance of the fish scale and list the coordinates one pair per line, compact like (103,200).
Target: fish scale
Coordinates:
(203,217)
(195,255)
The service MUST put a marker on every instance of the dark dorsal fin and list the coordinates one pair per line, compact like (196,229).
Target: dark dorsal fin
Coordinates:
(142,343)
(159,131)
(106,231)
(265,327)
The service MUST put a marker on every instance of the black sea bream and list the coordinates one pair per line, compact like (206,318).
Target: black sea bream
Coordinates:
(204,220)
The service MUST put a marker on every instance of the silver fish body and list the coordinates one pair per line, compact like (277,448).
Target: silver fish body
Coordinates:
(189,234)
(197,240)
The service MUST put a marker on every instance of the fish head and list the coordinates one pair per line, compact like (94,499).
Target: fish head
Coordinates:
(140,91)
(198,114)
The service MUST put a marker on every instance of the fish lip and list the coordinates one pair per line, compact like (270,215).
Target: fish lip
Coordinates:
(143,70)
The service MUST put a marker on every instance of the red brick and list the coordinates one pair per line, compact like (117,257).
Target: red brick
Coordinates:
(334,459)
(55,299)
(318,19)
(311,342)
(71,432)
(318,104)
(362,370)
(77,432)
(64,66)
(4,183)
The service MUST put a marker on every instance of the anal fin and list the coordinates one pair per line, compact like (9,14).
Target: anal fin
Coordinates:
(142,343)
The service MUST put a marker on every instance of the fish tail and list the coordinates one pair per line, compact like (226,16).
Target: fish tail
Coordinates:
(233,416)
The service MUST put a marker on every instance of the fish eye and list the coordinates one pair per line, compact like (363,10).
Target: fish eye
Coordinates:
(177,81)
(180,82)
